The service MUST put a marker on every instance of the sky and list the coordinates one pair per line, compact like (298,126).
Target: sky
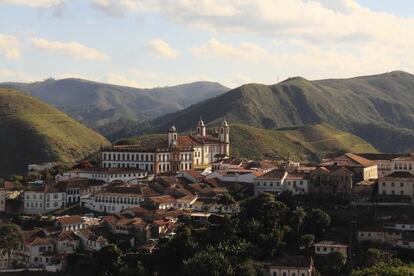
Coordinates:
(152,43)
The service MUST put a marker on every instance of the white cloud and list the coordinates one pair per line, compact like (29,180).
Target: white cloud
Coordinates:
(35,3)
(7,75)
(245,51)
(162,49)
(73,49)
(9,46)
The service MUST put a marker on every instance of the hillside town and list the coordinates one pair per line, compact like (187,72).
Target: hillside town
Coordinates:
(137,198)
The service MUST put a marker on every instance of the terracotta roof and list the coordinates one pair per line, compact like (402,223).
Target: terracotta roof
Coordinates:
(348,160)
(107,170)
(75,219)
(382,156)
(193,173)
(399,175)
(162,199)
(67,235)
(408,157)
(274,174)
(330,243)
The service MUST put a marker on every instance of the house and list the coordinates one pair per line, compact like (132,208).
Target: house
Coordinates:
(177,153)
(404,163)
(238,176)
(398,183)
(91,240)
(378,234)
(290,266)
(77,187)
(164,202)
(280,180)
(326,247)
(362,169)
(331,181)
(407,242)
(67,242)
(37,248)
(68,223)
(386,162)
(226,164)
(213,205)
(44,198)
(191,175)
(115,198)
(106,175)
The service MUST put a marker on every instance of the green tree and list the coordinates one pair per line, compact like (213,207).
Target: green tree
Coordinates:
(298,215)
(374,256)
(336,261)
(226,199)
(317,222)
(306,241)
(109,259)
(208,262)
(11,238)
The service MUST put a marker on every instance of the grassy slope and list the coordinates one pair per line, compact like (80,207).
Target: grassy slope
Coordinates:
(307,143)
(34,132)
(372,107)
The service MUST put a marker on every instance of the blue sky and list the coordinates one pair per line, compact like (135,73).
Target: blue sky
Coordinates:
(147,43)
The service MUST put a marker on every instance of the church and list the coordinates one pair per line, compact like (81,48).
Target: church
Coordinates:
(178,153)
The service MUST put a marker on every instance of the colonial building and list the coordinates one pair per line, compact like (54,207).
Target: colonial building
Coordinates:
(386,162)
(117,198)
(280,180)
(362,168)
(106,174)
(289,266)
(326,247)
(331,181)
(397,183)
(44,198)
(179,152)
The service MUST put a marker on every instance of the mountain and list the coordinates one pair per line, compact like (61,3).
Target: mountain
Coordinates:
(377,108)
(305,143)
(97,104)
(34,132)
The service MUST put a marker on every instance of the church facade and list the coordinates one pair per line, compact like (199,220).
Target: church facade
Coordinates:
(178,153)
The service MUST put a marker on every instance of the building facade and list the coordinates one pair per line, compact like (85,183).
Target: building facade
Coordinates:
(180,152)
(43,199)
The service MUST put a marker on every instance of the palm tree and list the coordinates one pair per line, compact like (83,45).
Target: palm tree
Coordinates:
(297,217)
(11,238)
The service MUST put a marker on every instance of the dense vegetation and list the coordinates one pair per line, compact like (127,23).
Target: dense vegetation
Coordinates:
(97,104)
(264,230)
(376,108)
(33,132)
(307,143)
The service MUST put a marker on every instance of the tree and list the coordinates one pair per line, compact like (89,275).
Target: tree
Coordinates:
(298,215)
(226,199)
(109,259)
(374,256)
(209,262)
(317,222)
(11,239)
(306,241)
(336,261)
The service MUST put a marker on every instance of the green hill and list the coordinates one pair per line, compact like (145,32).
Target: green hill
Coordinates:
(306,143)
(34,132)
(378,108)
(104,106)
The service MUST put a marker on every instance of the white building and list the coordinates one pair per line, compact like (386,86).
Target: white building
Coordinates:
(106,174)
(180,152)
(67,242)
(70,223)
(290,266)
(397,183)
(239,176)
(115,199)
(326,247)
(280,180)
(44,198)
(403,163)
(90,240)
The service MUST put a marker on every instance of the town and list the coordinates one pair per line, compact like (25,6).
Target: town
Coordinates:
(146,203)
